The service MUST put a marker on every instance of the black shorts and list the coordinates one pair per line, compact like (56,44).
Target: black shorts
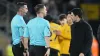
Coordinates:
(64,54)
(35,50)
(53,52)
(18,50)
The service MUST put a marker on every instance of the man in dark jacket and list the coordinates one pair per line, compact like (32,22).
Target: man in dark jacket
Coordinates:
(81,41)
(98,38)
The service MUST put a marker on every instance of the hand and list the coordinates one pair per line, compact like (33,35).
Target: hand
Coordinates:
(47,52)
(57,32)
(81,54)
(26,53)
(22,40)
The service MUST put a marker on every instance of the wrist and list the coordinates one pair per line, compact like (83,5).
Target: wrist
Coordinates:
(25,49)
(82,53)
(48,47)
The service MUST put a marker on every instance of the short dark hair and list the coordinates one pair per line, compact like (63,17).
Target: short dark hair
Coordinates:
(69,12)
(77,11)
(20,4)
(62,16)
(49,18)
(38,7)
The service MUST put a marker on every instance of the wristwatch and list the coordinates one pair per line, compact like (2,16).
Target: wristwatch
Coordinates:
(25,49)
(48,47)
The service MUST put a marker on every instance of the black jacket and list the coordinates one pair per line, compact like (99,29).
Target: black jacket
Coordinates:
(98,34)
(81,41)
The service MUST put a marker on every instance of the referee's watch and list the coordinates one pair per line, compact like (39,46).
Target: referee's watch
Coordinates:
(48,47)
(25,49)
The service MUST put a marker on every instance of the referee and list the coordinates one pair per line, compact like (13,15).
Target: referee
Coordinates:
(17,28)
(38,31)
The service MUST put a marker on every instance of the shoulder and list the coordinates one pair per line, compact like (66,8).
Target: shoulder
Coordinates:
(54,24)
(18,16)
(87,25)
(15,19)
(45,21)
(30,21)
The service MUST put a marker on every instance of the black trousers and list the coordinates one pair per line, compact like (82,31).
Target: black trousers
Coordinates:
(35,50)
(53,52)
(18,50)
(64,54)
(99,49)
(77,54)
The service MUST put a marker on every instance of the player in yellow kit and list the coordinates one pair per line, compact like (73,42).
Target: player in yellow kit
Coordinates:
(65,36)
(54,43)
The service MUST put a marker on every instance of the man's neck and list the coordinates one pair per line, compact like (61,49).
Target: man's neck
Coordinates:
(19,13)
(40,15)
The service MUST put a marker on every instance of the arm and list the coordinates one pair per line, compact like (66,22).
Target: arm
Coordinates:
(21,24)
(26,35)
(65,34)
(47,35)
(47,38)
(21,31)
(88,40)
(25,42)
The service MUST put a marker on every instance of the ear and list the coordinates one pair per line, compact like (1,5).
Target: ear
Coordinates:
(41,10)
(21,9)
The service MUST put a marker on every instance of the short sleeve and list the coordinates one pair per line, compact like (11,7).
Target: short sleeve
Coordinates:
(21,25)
(21,31)
(26,32)
(47,29)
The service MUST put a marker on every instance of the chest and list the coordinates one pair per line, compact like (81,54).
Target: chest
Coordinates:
(78,30)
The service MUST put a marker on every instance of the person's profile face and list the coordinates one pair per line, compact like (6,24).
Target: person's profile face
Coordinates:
(24,9)
(62,22)
(73,17)
(45,11)
(69,19)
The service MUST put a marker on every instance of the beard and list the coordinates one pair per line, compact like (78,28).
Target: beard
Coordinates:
(44,14)
(24,13)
